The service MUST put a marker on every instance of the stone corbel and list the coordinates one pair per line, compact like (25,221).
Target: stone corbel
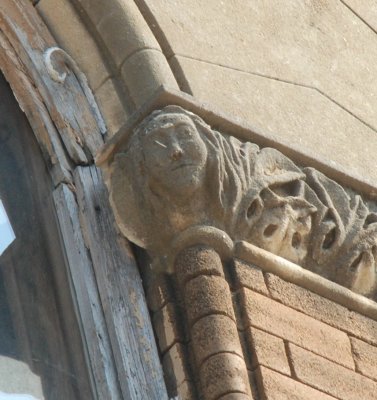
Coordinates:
(175,182)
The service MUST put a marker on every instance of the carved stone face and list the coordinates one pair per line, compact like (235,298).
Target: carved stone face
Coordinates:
(175,155)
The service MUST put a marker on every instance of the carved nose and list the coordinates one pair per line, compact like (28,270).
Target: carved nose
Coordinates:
(177,154)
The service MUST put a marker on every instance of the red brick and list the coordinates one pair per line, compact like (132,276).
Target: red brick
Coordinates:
(365,357)
(271,316)
(322,309)
(279,387)
(329,377)
(268,350)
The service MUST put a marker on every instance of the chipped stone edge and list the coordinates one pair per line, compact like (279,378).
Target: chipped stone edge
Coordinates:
(293,273)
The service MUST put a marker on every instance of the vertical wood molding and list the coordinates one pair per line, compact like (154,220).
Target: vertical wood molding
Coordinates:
(121,292)
(89,308)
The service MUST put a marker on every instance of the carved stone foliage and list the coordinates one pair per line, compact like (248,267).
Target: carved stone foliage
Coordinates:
(176,173)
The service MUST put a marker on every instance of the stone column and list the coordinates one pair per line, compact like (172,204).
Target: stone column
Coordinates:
(212,325)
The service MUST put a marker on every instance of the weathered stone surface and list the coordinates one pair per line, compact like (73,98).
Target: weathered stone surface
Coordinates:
(195,261)
(322,309)
(175,367)
(215,334)
(111,106)
(329,377)
(122,28)
(222,374)
(241,192)
(279,387)
(268,350)
(249,276)
(318,44)
(206,295)
(365,357)
(295,116)
(235,396)
(268,315)
(366,10)
(159,293)
(166,325)
(186,391)
(144,72)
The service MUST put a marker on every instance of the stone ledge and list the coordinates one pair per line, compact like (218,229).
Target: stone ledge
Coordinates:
(235,126)
(293,273)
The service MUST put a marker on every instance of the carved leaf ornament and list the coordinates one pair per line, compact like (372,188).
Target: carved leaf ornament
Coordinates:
(176,177)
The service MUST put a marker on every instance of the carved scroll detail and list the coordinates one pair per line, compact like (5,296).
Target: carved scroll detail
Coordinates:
(176,173)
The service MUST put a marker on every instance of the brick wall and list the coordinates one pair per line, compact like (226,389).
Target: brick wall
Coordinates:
(301,345)
(295,343)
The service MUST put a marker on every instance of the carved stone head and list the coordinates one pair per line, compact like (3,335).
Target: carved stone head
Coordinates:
(174,154)
(175,176)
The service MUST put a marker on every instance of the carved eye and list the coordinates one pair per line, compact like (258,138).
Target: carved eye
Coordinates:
(270,230)
(242,153)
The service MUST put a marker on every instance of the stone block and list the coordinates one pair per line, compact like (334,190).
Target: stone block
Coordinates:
(144,72)
(215,334)
(124,30)
(295,116)
(195,261)
(321,308)
(365,357)
(206,295)
(95,9)
(72,35)
(275,386)
(222,374)
(110,104)
(186,391)
(271,316)
(167,327)
(175,367)
(268,350)
(249,276)
(365,9)
(320,45)
(329,377)
(159,293)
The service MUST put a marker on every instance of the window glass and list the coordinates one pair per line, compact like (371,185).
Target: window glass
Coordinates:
(6,230)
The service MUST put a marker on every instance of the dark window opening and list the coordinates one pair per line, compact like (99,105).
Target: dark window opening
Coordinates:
(40,340)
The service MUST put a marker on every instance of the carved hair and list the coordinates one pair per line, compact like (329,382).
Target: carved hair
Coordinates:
(252,194)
